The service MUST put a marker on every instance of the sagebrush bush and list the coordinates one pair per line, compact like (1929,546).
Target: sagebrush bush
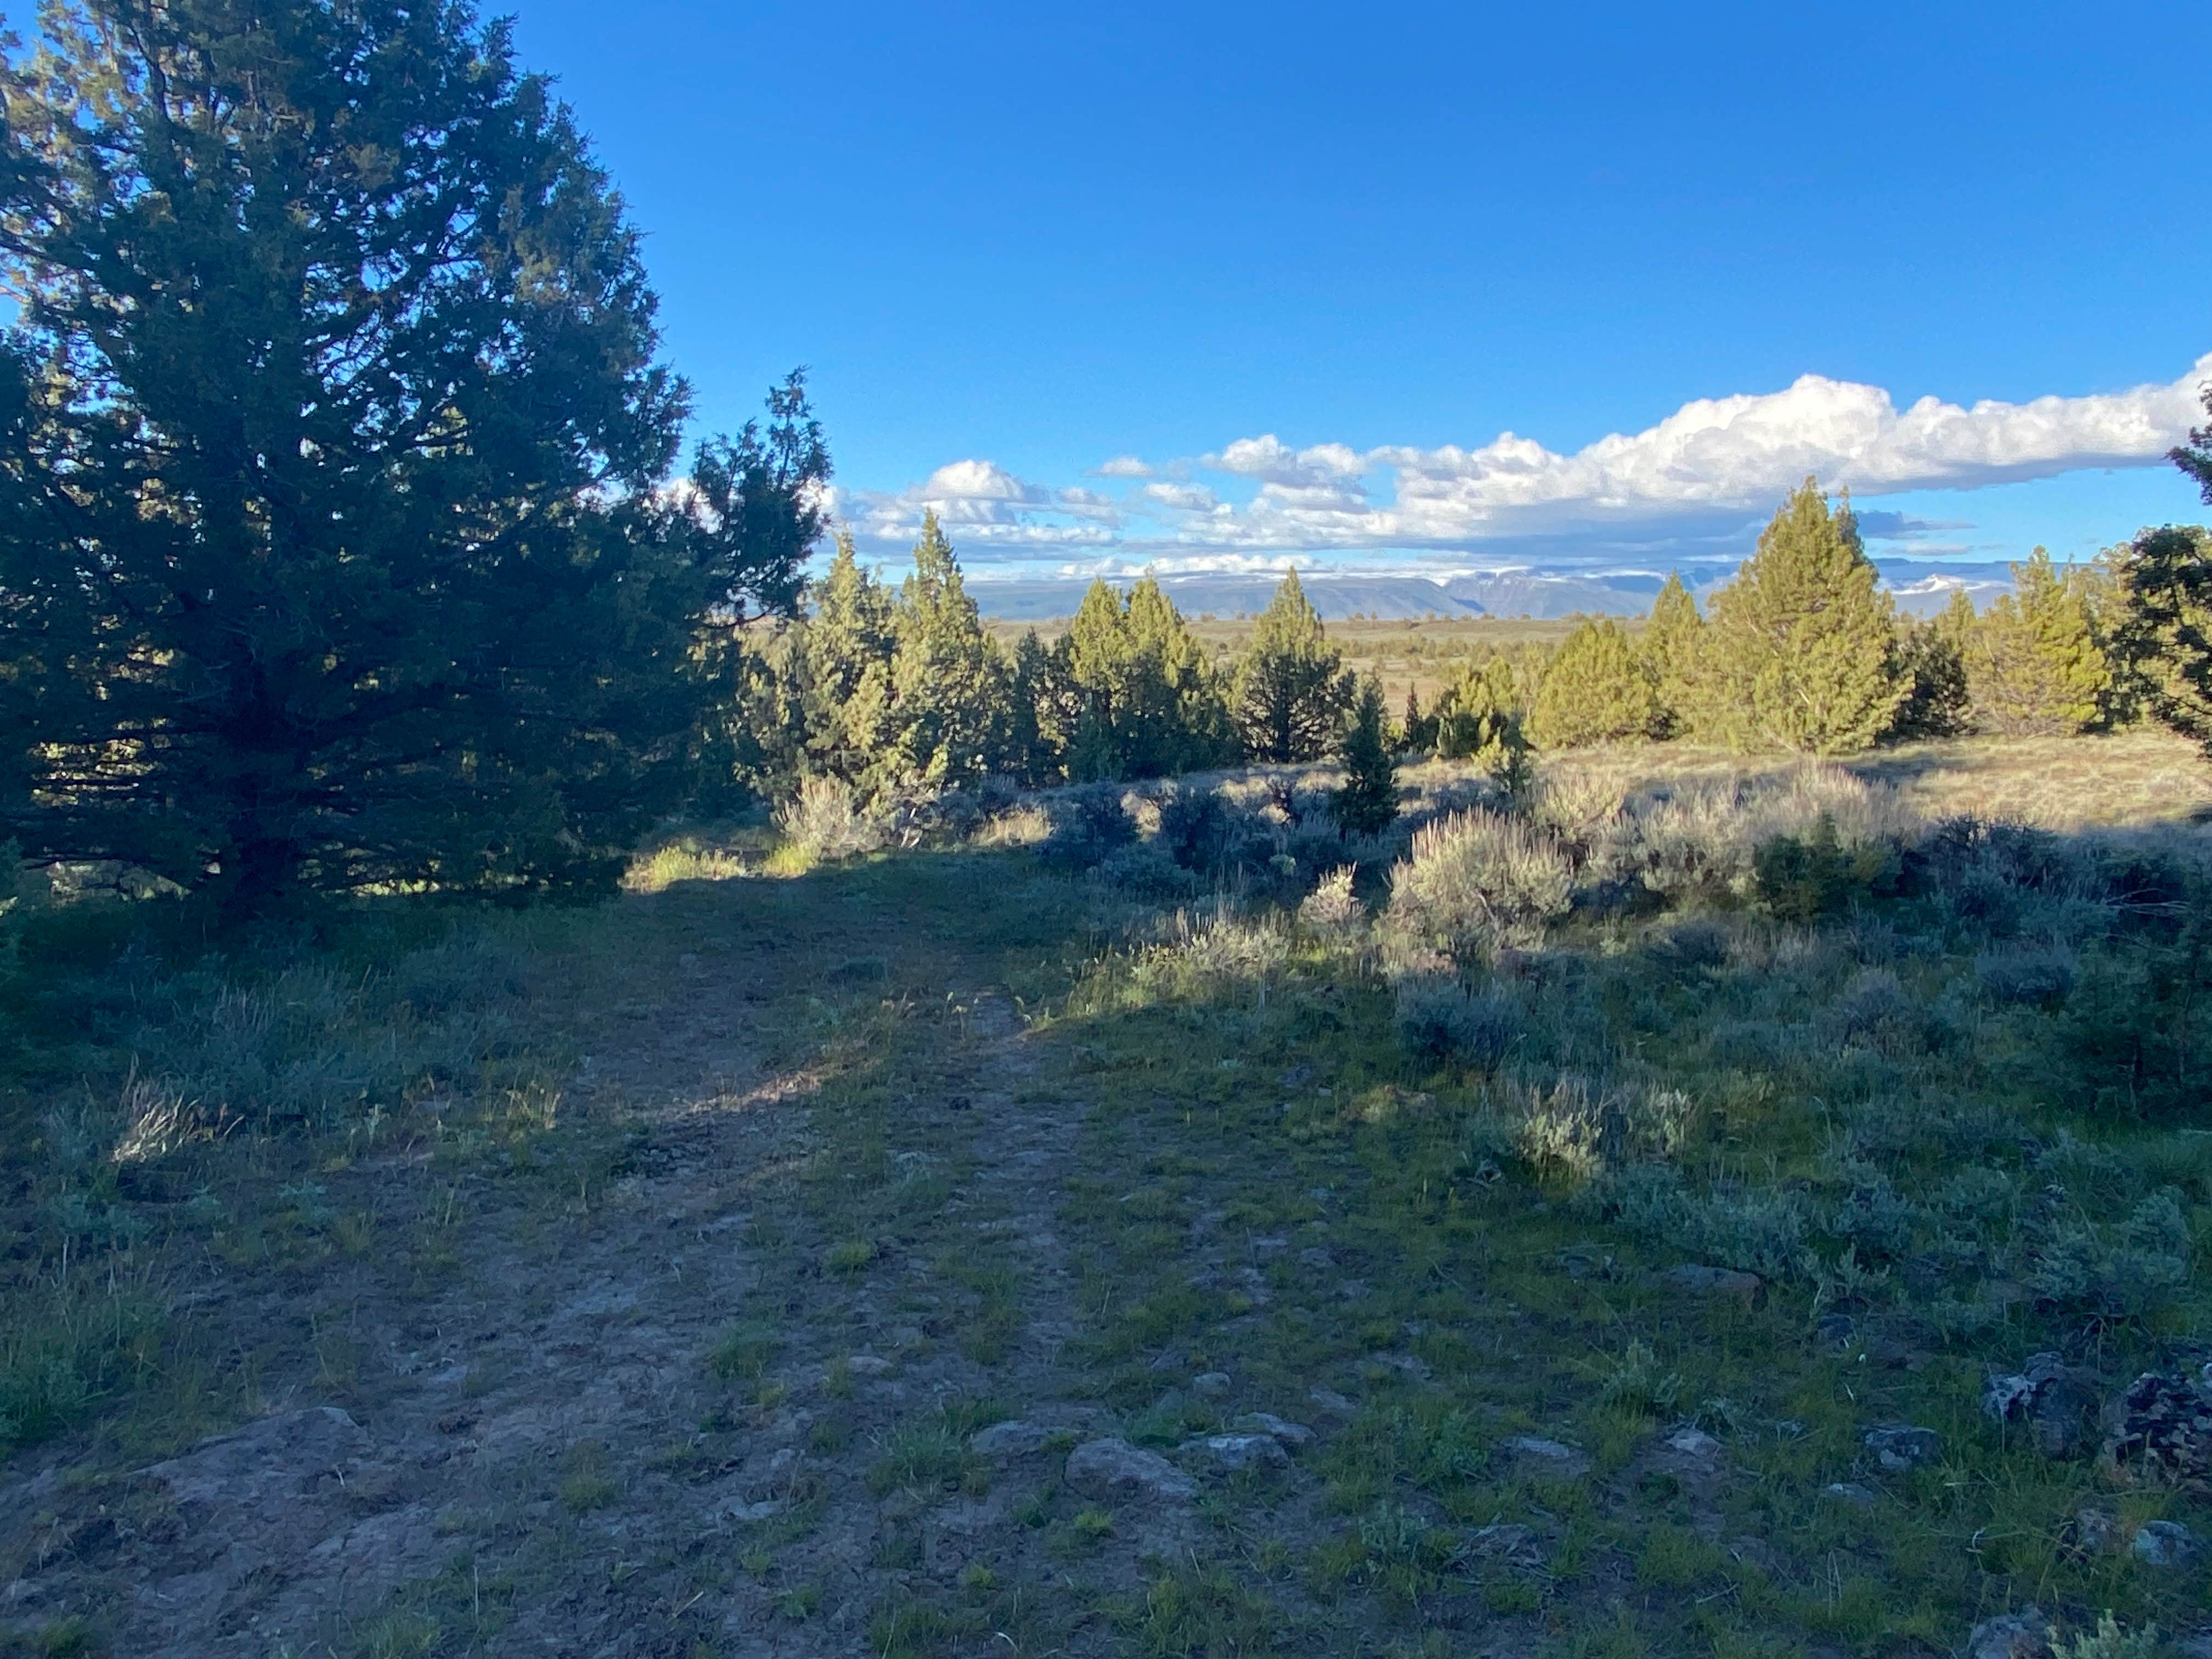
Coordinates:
(2029,974)
(1440,1021)
(1479,880)
(1332,906)
(826,820)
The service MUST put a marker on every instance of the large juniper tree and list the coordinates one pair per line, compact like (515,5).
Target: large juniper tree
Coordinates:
(1293,692)
(332,545)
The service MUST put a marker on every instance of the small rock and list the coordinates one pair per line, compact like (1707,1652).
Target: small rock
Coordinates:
(2166,1544)
(1113,1467)
(1211,1383)
(2161,1425)
(1316,1258)
(2045,1394)
(1848,1491)
(1694,1443)
(748,1512)
(1241,1451)
(1014,1439)
(1331,1401)
(1290,1434)
(782,1461)
(1700,1280)
(1508,1541)
(1351,1290)
(2094,1531)
(1901,1446)
(2023,1635)
(1550,1453)
(868,1364)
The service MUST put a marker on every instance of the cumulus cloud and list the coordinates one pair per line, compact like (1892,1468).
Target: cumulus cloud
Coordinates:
(1697,480)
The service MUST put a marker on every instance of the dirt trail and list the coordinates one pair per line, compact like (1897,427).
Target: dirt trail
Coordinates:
(540,1458)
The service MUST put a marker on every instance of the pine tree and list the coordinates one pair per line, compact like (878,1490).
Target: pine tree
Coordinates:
(1367,804)
(1292,688)
(1598,689)
(332,539)
(1931,660)
(1031,755)
(1478,718)
(949,684)
(2032,662)
(1670,646)
(1800,649)
(840,666)
(2166,586)
(2195,457)
(1417,732)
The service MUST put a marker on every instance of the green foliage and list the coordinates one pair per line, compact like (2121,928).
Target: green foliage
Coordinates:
(1598,689)
(949,684)
(1293,690)
(1671,645)
(1799,651)
(1367,805)
(2165,624)
(1129,692)
(1478,718)
(2195,457)
(1478,880)
(1931,661)
(331,532)
(1803,878)
(2032,662)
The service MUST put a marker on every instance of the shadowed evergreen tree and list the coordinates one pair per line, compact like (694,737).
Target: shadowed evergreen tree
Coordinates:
(2165,587)
(1031,755)
(1669,646)
(1800,649)
(332,543)
(840,659)
(1931,660)
(1419,729)
(949,684)
(2032,662)
(1367,804)
(2195,457)
(1292,688)
(1176,719)
(1598,689)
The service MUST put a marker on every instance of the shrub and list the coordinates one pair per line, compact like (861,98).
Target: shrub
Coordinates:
(1478,880)
(1438,1020)
(1804,879)
(1087,823)
(1331,906)
(825,820)
(2044,977)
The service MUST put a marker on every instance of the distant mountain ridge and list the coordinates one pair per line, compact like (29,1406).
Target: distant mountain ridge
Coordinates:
(1921,586)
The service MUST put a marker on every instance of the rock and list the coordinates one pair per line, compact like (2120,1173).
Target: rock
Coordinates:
(1848,1491)
(1241,1451)
(2093,1531)
(1550,1455)
(1316,1257)
(1836,1332)
(2023,1635)
(1112,1467)
(1901,1446)
(2161,1425)
(746,1513)
(1014,1439)
(267,1461)
(2166,1544)
(1290,1434)
(2045,1394)
(1508,1542)
(868,1364)
(1699,1280)
(1331,1401)
(1694,1443)
(1211,1383)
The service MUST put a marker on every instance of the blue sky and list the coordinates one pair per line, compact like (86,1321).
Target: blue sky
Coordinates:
(1221,286)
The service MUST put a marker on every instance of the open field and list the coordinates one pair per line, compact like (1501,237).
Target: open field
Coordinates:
(1069,1241)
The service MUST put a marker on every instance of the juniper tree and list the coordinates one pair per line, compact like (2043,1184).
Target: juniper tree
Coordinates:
(1176,719)
(1477,717)
(1367,804)
(1031,755)
(2195,457)
(1800,650)
(2033,661)
(1598,689)
(332,545)
(2166,587)
(1931,661)
(1670,648)
(949,684)
(1292,688)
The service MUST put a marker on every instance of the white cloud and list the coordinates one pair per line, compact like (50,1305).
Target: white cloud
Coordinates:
(1693,484)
